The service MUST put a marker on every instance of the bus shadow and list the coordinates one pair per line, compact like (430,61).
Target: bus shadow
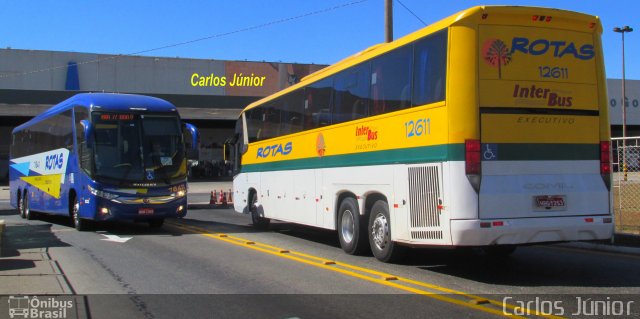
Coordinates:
(317,235)
(308,233)
(121,228)
(531,266)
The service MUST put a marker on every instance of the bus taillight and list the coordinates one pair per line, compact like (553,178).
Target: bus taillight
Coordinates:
(472,162)
(605,157)
(605,162)
(472,157)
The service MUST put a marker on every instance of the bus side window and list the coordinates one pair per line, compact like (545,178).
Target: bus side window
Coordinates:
(430,69)
(65,130)
(318,104)
(292,112)
(351,94)
(391,81)
(270,121)
(254,124)
(84,154)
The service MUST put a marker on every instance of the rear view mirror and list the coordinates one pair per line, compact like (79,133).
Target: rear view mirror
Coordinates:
(191,138)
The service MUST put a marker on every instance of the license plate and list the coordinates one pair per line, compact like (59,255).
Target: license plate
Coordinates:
(550,202)
(145,211)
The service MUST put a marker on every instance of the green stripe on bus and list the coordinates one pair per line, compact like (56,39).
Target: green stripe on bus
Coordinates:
(437,153)
(427,154)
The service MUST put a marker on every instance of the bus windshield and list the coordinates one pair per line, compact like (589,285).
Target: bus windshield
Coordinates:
(138,147)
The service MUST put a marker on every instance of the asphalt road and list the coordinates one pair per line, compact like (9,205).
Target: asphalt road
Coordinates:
(214,264)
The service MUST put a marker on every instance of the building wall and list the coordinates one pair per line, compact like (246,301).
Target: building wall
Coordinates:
(632,91)
(47,70)
(33,80)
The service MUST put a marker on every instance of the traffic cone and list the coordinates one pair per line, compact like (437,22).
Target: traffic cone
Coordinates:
(222,200)
(212,199)
(230,198)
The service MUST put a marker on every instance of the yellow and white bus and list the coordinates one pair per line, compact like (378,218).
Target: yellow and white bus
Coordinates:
(488,129)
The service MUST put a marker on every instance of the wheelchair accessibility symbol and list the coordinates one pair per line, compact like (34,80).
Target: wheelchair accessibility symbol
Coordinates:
(490,152)
(150,174)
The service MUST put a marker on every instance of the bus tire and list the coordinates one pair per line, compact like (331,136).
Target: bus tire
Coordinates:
(20,204)
(499,251)
(383,248)
(156,223)
(78,223)
(28,214)
(257,220)
(352,228)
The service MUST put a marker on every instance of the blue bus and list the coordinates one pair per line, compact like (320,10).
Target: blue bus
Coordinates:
(103,156)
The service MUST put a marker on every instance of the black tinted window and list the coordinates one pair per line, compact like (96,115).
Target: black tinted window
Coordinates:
(430,69)
(270,121)
(254,123)
(292,114)
(317,109)
(351,95)
(391,81)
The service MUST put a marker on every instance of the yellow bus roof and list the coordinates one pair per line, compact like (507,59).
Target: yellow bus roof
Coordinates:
(514,15)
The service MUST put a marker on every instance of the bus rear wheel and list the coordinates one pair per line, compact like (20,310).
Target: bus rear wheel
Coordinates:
(258,221)
(352,231)
(28,214)
(383,248)
(20,205)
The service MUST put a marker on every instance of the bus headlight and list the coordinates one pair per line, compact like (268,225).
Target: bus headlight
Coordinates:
(100,193)
(179,194)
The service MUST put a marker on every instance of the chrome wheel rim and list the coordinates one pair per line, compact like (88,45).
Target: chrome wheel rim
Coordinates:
(25,206)
(380,231)
(347,226)
(21,207)
(76,218)
(253,209)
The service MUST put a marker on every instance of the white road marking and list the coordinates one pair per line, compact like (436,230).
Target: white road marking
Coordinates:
(114,238)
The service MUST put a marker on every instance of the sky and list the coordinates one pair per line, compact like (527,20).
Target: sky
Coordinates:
(245,29)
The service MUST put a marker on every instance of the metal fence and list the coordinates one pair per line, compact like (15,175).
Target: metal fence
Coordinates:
(626,183)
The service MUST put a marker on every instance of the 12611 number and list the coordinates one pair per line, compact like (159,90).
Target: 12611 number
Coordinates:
(417,128)
(555,72)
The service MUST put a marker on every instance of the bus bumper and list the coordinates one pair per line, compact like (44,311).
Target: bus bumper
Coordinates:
(530,230)
(121,211)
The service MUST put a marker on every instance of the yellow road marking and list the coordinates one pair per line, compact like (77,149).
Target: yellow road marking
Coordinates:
(474,302)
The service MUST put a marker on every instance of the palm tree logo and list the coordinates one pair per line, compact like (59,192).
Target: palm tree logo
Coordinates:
(496,54)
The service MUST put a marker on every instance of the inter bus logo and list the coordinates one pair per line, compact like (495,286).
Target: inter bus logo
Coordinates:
(496,54)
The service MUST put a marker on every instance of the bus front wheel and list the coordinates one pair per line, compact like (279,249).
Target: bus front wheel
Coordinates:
(383,248)
(352,231)
(156,223)
(258,221)
(79,223)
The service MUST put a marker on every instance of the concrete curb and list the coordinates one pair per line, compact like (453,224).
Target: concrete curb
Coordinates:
(209,206)
(627,244)
(603,248)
